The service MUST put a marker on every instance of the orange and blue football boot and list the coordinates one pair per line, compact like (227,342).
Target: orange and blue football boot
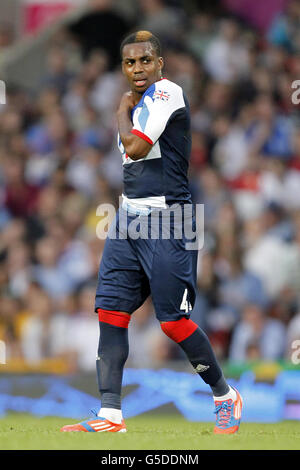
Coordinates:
(228,415)
(95,424)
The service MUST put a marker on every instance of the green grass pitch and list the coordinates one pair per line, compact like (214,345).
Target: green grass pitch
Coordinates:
(24,432)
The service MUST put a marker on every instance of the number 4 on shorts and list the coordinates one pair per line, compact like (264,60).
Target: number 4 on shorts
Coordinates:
(185,305)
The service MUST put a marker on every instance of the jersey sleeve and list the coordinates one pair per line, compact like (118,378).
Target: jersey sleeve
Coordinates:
(158,106)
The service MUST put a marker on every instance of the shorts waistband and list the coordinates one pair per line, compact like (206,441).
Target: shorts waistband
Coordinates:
(145,210)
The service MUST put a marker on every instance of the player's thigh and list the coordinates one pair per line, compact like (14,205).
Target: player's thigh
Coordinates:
(122,283)
(173,280)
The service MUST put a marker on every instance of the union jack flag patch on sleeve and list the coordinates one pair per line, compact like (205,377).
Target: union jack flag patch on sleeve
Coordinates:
(161,95)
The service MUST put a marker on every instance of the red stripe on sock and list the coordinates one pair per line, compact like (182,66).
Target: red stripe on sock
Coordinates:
(179,330)
(114,318)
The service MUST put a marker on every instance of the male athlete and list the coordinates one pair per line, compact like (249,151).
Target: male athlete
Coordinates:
(154,140)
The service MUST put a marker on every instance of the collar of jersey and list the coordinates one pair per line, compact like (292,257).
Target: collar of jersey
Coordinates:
(144,94)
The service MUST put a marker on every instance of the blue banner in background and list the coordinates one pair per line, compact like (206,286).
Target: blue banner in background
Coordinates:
(58,396)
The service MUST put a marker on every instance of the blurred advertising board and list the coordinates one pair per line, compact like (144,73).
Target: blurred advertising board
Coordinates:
(38,14)
(145,390)
(259,14)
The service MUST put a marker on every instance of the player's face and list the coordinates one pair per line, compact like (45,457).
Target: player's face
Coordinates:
(141,66)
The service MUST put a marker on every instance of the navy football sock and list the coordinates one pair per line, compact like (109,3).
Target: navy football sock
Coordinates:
(197,347)
(112,354)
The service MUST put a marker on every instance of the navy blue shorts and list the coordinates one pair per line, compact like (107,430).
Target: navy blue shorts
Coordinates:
(133,268)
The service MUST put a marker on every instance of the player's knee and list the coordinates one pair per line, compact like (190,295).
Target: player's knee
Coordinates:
(179,330)
(120,319)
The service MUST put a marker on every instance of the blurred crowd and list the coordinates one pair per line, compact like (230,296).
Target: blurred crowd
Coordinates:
(59,161)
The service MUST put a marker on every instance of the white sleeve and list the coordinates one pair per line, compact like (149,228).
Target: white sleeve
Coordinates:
(150,120)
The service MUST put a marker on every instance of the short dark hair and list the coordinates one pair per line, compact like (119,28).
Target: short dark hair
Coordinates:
(142,36)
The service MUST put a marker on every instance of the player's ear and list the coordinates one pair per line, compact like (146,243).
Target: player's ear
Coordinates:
(161,63)
(122,67)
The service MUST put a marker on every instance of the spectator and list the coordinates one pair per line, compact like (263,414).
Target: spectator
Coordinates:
(46,272)
(35,340)
(20,197)
(83,324)
(6,35)
(155,14)
(200,34)
(285,26)
(255,330)
(57,76)
(226,58)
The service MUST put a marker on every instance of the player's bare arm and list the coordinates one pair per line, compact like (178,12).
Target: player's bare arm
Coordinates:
(134,146)
(142,67)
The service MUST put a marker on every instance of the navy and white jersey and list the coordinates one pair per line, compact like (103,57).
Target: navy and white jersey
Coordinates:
(161,118)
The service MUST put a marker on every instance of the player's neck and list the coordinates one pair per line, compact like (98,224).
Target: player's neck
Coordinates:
(137,96)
